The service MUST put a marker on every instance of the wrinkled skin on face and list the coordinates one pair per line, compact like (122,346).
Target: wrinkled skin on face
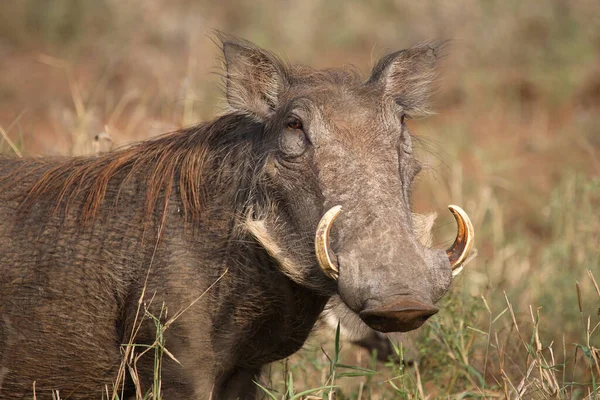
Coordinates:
(340,140)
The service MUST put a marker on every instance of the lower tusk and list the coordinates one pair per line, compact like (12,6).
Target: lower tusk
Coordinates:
(459,251)
(325,256)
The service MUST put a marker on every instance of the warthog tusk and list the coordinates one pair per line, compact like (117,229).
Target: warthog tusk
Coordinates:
(458,252)
(325,256)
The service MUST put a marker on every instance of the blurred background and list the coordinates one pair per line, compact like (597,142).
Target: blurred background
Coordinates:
(516,143)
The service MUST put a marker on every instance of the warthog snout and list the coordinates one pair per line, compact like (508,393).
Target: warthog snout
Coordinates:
(373,269)
(402,315)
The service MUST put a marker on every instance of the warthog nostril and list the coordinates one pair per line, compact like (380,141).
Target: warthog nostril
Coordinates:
(400,316)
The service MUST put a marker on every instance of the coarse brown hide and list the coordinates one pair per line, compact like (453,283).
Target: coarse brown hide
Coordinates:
(83,239)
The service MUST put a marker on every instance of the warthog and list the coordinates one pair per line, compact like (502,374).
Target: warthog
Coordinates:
(229,225)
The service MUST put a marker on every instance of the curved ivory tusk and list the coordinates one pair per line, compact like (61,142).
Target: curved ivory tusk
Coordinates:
(458,252)
(325,256)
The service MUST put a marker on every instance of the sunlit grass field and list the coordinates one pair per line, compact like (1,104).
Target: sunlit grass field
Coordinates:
(515,142)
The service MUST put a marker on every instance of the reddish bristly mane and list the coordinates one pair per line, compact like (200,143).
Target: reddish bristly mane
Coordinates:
(177,162)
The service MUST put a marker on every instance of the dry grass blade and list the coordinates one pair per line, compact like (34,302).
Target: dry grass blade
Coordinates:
(419,384)
(10,143)
(180,312)
(579,302)
(135,379)
(589,271)
(16,120)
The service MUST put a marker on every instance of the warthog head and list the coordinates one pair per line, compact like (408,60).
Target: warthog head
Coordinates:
(339,150)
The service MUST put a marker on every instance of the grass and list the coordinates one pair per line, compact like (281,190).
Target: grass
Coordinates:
(133,352)
(515,144)
(501,356)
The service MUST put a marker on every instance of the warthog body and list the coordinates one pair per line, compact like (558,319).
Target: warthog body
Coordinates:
(218,221)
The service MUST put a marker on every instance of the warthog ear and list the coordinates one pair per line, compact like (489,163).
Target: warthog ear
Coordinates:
(255,78)
(407,76)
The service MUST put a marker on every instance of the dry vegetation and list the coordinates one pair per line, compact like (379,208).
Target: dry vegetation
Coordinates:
(516,143)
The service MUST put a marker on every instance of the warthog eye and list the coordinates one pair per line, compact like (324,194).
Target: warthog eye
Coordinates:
(295,123)
(293,141)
